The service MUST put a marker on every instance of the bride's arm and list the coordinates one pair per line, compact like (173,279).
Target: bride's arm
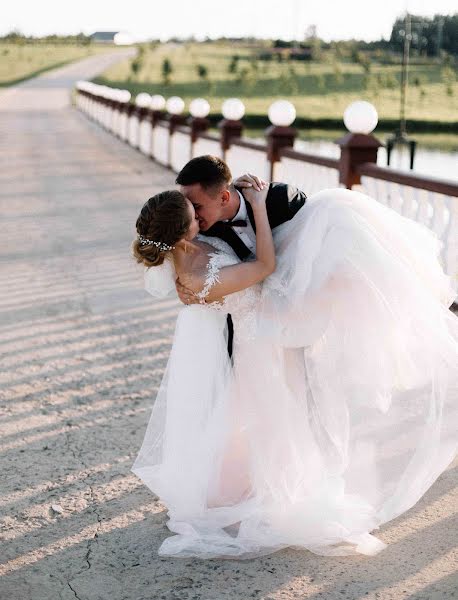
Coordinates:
(241,276)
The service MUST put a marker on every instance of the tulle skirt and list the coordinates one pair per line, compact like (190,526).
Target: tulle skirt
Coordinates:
(338,413)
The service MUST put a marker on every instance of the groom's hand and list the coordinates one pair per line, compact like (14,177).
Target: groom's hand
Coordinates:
(250,181)
(186,295)
(256,198)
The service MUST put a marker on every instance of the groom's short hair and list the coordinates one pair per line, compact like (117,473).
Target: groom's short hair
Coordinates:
(210,171)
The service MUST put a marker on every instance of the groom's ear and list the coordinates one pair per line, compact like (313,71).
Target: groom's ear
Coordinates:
(225,196)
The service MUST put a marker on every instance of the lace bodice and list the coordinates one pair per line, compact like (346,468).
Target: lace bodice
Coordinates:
(241,305)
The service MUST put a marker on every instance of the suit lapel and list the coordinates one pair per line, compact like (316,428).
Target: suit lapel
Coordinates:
(270,206)
(250,214)
(226,233)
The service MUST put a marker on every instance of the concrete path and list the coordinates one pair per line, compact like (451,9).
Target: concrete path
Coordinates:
(83,348)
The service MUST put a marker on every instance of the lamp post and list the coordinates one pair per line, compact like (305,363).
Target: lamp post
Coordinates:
(199,109)
(280,134)
(124,98)
(231,125)
(157,112)
(157,107)
(142,102)
(175,106)
(359,145)
(400,137)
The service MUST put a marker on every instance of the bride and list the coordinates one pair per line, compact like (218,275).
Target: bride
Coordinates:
(340,408)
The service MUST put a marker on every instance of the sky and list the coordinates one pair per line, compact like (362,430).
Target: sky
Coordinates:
(152,19)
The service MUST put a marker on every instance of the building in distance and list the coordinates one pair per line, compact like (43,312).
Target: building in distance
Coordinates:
(120,38)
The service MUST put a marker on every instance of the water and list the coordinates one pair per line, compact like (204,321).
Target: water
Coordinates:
(436,154)
(437,163)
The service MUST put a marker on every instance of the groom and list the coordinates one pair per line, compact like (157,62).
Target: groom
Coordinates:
(223,212)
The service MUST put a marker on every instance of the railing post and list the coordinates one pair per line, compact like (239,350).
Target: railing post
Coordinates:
(154,114)
(174,106)
(174,122)
(142,102)
(154,117)
(359,145)
(230,129)
(141,115)
(231,125)
(198,125)
(121,98)
(355,149)
(121,120)
(198,122)
(277,139)
(130,109)
(280,134)
(107,112)
(114,107)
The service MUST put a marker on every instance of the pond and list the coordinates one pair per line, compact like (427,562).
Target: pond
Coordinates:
(436,154)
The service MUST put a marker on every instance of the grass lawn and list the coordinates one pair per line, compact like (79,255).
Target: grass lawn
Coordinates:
(317,89)
(446,142)
(19,62)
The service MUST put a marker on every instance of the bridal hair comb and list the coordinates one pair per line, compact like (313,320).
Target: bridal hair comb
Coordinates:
(146,242)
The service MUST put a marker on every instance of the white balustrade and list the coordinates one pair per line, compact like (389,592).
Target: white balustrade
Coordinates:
(436,211)
(115,119)
(180,150)
(110,118)
(206,146)
(133,130)
(306,176)
(144,137)
(123,125)
(107,116)
(160,145)
(241,159)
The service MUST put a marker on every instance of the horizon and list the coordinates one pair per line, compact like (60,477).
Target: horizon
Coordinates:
(357,19)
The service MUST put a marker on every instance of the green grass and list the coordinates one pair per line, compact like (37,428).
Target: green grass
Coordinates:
(319,90)
(433,141)
(21,62)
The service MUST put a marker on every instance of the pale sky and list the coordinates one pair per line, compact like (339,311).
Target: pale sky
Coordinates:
(144,19)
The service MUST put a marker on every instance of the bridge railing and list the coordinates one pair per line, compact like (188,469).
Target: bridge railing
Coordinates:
(172,140)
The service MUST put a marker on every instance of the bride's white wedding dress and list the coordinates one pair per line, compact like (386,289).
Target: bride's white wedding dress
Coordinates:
(340,409)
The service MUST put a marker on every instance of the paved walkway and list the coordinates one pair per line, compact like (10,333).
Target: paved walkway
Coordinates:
(83,348)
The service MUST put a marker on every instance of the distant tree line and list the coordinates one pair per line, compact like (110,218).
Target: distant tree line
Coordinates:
(431,36)
(16,37)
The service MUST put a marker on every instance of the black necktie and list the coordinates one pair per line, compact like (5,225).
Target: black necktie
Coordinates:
(237,223)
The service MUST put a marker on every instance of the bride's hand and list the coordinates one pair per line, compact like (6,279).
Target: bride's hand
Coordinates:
(186,295)
(256,199)
(248,180)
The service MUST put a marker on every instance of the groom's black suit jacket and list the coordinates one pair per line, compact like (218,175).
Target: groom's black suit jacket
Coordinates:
(282,203)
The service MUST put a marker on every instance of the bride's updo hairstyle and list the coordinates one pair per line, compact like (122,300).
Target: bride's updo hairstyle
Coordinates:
(164,219)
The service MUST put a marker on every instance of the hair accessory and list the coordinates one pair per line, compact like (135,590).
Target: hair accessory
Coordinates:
(146,242)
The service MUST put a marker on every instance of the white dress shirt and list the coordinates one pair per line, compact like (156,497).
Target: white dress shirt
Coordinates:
(246,234)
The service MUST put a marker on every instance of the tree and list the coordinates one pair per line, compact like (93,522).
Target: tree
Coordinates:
(337,71)
(449,78)
(136,66)
(167,71)
(429,36)
(202,72)
(233,65)
(246,79)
